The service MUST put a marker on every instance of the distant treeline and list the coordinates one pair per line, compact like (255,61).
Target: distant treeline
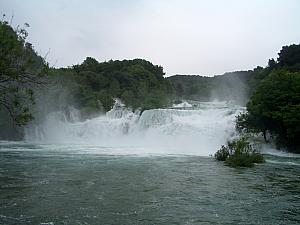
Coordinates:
(232,86)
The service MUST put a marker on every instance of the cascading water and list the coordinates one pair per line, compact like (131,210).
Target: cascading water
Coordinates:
(198,131)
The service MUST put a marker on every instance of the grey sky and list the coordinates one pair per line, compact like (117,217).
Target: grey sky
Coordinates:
(184,36)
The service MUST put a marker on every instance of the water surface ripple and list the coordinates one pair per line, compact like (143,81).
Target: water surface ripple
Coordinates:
(39,184)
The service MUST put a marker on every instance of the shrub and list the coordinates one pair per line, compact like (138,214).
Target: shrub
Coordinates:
(239,153)
(222,154)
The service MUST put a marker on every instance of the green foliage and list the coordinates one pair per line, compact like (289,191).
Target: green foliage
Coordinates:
(244,160)
(222,153)
(239,153)
(275,107)
(138,83)
(21,69)
(289,58)
(9,130)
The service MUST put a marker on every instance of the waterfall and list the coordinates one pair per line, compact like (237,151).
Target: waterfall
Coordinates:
(201,130)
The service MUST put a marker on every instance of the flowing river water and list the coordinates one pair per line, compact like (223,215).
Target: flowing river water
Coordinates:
(153,168)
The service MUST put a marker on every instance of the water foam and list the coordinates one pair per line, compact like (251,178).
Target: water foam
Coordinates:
(199,131)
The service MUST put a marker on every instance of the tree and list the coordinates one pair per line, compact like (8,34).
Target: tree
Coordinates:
(239,153)
(138,83)
(289,57)
(275,107)
(21,70)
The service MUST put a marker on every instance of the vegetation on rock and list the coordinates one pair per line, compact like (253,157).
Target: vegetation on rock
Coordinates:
(239,153)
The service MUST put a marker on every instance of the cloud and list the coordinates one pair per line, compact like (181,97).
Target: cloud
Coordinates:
(185,37)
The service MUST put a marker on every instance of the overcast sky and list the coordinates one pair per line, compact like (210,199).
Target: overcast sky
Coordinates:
(184,36)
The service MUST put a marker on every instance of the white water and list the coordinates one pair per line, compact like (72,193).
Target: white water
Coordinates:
(199,131)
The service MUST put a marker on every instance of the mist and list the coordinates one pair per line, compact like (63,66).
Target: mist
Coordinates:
(155,132)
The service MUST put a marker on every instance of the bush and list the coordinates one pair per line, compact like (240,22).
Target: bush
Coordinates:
(244,159)
(222,154)
(239,153)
